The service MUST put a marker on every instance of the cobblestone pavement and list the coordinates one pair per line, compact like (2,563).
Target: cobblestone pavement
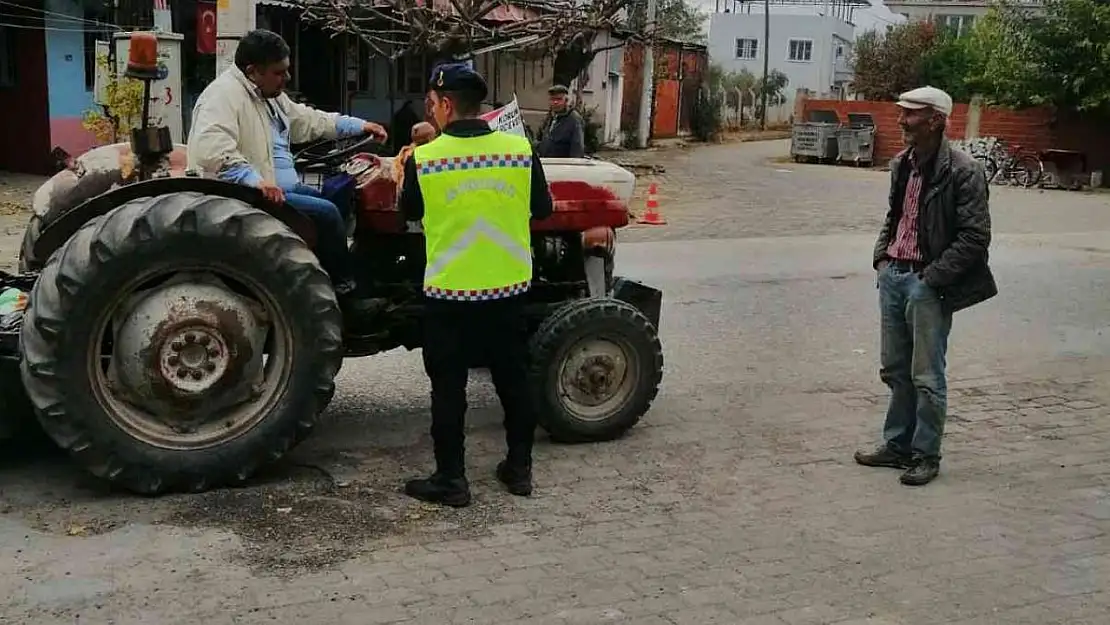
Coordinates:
(736,500)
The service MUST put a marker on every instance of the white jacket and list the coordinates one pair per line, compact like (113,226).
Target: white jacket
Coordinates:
(231,125)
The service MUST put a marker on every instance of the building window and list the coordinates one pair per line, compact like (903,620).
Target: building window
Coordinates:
(97,28)
(7,58)
(800,50)
(960,24)
(747,48)
(412,73)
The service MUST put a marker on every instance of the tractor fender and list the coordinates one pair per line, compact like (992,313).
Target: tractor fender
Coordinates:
(54,235)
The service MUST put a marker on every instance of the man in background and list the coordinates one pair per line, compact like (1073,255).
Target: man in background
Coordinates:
(563,133)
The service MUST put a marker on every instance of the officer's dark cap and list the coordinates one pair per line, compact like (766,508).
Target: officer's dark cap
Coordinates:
(447,77)
(558,90)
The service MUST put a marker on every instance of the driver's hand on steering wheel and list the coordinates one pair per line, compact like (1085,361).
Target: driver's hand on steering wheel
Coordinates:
(272,192)
(377,130)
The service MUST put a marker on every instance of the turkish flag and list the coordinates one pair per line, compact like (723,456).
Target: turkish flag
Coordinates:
(206,27)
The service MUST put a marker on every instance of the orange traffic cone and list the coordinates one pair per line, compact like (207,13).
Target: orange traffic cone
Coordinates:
(651,216)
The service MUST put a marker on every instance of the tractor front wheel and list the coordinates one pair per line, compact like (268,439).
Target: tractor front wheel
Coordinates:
(180,342)
(596,366)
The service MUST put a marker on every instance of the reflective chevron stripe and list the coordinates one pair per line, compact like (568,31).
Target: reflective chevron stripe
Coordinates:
(468,238)
(476,193)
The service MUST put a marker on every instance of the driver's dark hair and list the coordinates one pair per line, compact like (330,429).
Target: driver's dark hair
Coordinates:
(260,48)
(468,102)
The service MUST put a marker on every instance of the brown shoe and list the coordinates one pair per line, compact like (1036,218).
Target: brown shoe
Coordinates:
(884,456)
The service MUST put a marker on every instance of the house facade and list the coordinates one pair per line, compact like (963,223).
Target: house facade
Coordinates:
(813,51)
(48,87)
(958,15)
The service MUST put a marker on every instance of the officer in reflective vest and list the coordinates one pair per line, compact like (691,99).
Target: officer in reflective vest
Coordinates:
(476,191)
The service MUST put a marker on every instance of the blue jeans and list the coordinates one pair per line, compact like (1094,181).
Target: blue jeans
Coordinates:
(915,331)
(331,231)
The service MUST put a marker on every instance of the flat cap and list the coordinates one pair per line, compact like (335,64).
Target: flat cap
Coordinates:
(927,97)
(558,89)
(457,77)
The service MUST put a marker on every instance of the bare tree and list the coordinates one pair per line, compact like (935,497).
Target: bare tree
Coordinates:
(461,29)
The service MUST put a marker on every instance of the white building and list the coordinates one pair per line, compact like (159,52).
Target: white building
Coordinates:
(813,51)
(956,14)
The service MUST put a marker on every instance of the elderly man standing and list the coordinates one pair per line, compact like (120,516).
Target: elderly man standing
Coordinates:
(563,134)
(931,259)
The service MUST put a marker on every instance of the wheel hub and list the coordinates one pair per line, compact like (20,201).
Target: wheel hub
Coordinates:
(193,359)
(594,373)
(187,344)
(595,376)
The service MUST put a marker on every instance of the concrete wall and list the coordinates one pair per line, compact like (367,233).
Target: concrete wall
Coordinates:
(818,74)
(603,88)
(65,69)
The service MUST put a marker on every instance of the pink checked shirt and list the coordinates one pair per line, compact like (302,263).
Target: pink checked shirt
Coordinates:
(904,245)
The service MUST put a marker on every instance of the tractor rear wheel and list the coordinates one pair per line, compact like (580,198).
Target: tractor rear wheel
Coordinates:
(595,367)
(180,342)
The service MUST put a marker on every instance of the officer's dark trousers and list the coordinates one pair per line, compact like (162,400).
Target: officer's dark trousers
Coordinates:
(455,335)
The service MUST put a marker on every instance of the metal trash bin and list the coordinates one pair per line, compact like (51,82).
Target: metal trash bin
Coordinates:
(815,140)
(856,142)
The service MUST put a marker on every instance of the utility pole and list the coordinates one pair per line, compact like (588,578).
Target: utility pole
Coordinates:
(766,60)
(234,18)
(647,92)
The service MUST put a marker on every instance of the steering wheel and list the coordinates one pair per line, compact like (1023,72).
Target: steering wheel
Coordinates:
(310,157)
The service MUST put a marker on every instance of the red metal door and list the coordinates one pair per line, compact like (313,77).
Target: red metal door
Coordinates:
(25,124)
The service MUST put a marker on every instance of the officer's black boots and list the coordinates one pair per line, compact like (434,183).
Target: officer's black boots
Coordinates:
(440,489)
(516,477)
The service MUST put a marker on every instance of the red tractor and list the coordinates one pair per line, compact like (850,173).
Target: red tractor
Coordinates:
(180,333)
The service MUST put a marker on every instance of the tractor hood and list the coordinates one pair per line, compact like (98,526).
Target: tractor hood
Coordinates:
(596,173)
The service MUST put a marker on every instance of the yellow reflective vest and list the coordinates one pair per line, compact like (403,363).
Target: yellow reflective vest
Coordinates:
(477,214)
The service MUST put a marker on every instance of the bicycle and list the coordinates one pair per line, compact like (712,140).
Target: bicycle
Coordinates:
(1014,165)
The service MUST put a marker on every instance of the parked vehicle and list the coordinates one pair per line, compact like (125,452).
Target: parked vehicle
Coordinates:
(180,333)
(1010,165)
(1014,165)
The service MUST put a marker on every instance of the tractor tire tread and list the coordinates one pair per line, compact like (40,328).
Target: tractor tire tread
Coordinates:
(573,320)
(137,227)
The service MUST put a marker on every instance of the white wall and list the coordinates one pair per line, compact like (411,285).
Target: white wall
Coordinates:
(603,87)
(817,74)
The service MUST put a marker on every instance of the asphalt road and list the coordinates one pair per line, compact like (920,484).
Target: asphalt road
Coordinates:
(736,500)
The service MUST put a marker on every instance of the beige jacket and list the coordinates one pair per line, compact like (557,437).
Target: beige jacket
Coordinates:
(231,126)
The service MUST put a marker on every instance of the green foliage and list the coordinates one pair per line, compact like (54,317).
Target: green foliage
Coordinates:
(1058,57)
(749,84)
(948,66)
(705,118)
(122,107)
(889,64)
(1015,56)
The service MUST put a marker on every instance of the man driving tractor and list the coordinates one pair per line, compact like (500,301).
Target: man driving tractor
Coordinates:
(243,125)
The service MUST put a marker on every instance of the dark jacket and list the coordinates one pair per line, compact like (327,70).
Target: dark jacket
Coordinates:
(411,200)
(953,226)
(563,136)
